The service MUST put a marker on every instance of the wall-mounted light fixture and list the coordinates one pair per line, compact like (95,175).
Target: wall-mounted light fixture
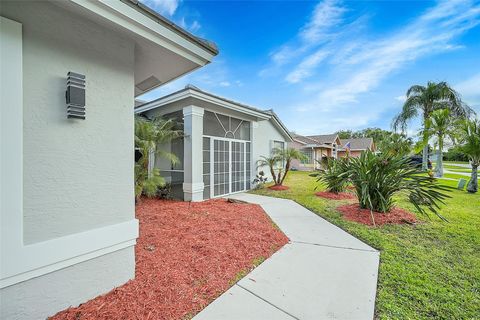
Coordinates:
(75,96)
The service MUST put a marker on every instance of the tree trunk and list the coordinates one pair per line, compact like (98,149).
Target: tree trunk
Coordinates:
(472,186)
(439,165)
(426,115)
(274,177)
(287,168)
(425,158)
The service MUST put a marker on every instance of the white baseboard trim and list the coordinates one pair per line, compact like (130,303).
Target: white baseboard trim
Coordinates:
(30,261)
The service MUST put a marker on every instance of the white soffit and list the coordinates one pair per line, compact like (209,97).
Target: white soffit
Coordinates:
(160,52)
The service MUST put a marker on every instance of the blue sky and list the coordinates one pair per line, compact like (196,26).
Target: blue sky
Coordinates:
(330,65)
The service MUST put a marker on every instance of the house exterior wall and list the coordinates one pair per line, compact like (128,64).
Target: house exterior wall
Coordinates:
(264,133)
(296,164)
(77,175)
(68,165)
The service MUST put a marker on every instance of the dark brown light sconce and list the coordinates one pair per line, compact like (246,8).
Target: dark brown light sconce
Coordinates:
(75,96)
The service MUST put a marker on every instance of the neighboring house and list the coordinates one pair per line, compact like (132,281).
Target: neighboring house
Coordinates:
(356,146)
(67,207)
(316,148)
(224,139)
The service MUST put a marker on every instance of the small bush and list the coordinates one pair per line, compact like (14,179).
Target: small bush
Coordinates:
(377,178)
(330,174)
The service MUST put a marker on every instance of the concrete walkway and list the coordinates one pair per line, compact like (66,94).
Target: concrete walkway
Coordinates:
(322,273)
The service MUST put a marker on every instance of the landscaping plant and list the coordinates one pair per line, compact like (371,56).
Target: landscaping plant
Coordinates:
(378,178)
(423,100)
(149,134)
(330,175)
(440,126)
(470,139)
(280,162)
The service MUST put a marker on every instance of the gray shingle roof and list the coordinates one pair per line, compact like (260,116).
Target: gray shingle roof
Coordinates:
(358,143)
(324,138)
(152,14)
(304,139)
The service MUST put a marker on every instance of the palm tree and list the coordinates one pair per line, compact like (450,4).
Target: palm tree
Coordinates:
(395,144)
(272,163)
(423,101)
(440,126)
(287,156)
(470,140)
(149,135)
(280,160)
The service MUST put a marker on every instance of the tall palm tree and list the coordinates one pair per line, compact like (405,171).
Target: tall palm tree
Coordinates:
(440,126)
(470,140)
(149,135)
(423,100)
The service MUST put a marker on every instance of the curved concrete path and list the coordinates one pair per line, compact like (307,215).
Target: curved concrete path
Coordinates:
(322,273)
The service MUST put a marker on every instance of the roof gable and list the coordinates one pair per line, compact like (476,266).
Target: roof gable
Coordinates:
(358,143)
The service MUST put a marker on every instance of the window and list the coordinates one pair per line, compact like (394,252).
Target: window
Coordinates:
(278,145)
(309,154)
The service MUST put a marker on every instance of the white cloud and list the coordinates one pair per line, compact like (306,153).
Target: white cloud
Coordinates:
(470,91)
(192,27)
(401,98)
(165,7)
(359,61)
(304,69)
(225,84)
(327,14)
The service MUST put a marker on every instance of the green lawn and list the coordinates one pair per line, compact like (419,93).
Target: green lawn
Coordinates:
(457,169)
(428,271)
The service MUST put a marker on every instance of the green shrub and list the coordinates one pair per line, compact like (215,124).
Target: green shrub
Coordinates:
(330,174)
(377,178)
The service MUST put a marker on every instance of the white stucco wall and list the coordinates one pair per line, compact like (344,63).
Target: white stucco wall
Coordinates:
(264,133)
(44,296)
(78,222)
(78,175)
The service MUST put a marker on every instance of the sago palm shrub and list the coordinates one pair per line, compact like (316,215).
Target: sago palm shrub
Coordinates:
(330,175)
(378,178)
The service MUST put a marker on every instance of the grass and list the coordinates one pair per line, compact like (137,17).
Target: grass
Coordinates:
(428,271)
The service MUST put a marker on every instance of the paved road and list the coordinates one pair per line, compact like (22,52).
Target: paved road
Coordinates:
(322,273)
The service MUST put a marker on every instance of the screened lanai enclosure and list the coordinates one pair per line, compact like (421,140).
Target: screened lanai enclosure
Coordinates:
(226,155)
(222,142)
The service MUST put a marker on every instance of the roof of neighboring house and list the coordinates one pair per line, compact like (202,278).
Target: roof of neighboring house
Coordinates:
(324,138)
(358,143)
(140,7)
(304,140)
(198,93)
(310,142)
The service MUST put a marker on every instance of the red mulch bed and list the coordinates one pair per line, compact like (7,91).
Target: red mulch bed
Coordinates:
(353,212)
(278,188)
(336,196)
(186,256)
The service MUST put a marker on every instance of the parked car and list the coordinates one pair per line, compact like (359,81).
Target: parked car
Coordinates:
(417,161)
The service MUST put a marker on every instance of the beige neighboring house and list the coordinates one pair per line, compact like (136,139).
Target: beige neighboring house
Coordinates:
(315,148)
(356,146)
